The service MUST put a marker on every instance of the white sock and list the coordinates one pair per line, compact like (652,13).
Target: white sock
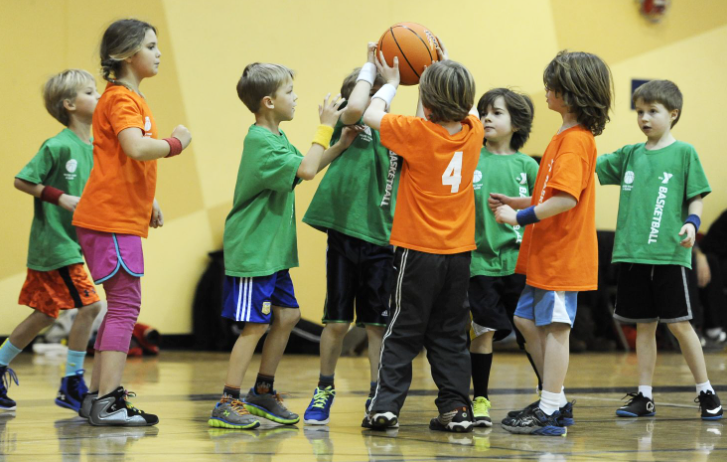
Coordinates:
(563,400)
(549,402)
(646,391)
(704,387)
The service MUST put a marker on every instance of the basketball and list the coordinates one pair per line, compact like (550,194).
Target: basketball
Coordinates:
(415,46)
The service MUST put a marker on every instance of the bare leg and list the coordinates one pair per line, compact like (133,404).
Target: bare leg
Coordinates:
(375,336)
(482,344)
(533,341)
(112,371)
(28,329)
(242,353)
(331,344)
(691,349)
(555,356)
(646,351)
(284,319)
(81,329)
(96,373)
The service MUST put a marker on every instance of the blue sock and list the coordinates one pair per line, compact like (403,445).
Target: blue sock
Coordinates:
(8,352)
(74,362)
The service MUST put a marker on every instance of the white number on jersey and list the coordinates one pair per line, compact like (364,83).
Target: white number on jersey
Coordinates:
(453,174)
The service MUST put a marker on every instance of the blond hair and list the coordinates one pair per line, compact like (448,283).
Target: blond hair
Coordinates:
(447,89)
(61,87)
(259,80)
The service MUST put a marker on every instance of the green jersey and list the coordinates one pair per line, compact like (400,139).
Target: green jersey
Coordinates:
(63,162)
(656,187)
(358,193)
(498,244)
(260,237)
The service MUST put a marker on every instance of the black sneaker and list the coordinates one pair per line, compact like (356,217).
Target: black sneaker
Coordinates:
(639,406)
(115,410)
(7,376)
(710,405)
(536,422)
(566,414)
(527,408)
(458,421)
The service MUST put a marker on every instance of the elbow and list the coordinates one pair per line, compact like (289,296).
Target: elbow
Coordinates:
(306,174)
(370,120)
(18,183)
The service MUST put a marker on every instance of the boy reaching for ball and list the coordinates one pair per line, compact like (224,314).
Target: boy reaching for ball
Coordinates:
(434,231)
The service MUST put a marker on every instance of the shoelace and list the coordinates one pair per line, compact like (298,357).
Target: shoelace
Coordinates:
(279,399)
(79,386)
(633,396)
(697,401)
(236,405)
(321,398)
(129,405)
(9,377)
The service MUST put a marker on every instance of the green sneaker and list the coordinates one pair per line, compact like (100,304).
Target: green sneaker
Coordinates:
(270,406)
(481,409)
(231,413)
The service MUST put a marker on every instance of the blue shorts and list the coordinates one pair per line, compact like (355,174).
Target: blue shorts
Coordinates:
(252,299)
(547,306)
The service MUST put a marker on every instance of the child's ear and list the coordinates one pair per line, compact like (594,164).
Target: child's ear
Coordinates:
(674,114)
(69,105)
(268,102)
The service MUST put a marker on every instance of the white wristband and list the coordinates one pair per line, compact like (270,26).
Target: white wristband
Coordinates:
(367,73)
(387,93)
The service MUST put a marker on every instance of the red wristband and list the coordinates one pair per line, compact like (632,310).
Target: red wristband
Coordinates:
(175,146)
(51,194)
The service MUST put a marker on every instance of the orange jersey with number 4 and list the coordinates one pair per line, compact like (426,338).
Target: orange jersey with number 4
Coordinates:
(435,205)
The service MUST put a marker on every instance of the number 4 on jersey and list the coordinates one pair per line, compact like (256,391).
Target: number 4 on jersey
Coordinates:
(453,174)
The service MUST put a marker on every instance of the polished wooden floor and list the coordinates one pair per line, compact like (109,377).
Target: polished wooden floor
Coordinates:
(183,387)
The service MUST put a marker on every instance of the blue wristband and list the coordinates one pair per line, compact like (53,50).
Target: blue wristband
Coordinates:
(695,220)
(527,216)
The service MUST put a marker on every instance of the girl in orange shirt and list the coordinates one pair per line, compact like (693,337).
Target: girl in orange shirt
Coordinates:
(118,206)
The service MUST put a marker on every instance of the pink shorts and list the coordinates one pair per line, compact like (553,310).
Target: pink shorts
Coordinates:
(106,253)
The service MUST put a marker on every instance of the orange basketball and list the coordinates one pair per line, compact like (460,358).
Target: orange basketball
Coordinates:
(415,46)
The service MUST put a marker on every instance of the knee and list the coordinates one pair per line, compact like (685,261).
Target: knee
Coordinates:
(376,332)
(338,329)
(91,311)
(43,319)
(680,329)
(254,329)
(287,318)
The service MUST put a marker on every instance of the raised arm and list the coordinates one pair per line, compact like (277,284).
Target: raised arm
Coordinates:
(377,109)
(361,93)
(319,155)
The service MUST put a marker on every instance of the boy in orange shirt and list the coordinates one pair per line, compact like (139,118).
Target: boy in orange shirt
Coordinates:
(434,231)
(559,255)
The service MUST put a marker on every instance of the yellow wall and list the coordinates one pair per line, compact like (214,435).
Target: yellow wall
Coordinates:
(206,45)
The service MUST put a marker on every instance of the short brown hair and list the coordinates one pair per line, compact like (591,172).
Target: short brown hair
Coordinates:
(447,89)
(260,80)
(521,112)
(585,83)
(121,40)
(660,91)
(61,87)
(350,81)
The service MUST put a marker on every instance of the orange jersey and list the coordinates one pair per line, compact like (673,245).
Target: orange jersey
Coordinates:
(119,193)
(435,205)
(561,252)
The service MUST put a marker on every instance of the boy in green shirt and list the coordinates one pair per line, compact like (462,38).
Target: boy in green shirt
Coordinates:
(354,205)
(494,288)
(56,278)
(260,239)
(662,186)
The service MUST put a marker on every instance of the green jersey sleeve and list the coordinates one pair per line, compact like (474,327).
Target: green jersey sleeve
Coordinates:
(37,170)
(609,167)
(697,183)
(280,166)
(531,169)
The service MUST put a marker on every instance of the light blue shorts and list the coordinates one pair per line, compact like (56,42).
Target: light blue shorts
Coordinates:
(547,306)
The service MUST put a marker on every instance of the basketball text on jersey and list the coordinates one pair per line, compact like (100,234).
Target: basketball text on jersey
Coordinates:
(522,192)
(393,165)
(659,208)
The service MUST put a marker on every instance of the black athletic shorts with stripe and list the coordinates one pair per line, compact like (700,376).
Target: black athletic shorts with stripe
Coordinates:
(359,277)
(492,302)
(650,293)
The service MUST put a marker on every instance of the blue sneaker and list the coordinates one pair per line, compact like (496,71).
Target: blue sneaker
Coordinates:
(535,422)
(319,409)
(7,376)
(70,395)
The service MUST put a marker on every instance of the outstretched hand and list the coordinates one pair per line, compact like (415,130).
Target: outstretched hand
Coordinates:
(389,73)
(442,54)
(330,111)
(349,134)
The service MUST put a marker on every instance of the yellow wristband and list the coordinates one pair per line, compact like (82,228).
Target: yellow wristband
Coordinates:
(323,136)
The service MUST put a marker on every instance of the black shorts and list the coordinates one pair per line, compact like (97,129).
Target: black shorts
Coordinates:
(649,293)
(493,300)
(358,274)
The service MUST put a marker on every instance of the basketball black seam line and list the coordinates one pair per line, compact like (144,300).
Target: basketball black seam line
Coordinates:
(431,58)
(391,31)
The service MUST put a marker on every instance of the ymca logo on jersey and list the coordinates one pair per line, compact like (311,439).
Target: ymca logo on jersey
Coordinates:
(71,167)
(523,178)
(366,134)
(666,177)
(147,127)
(628,181)
(476,180)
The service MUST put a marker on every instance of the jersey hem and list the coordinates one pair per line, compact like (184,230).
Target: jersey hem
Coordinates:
(405,245)
(323,226)
(538,285)
(649,262)
(45,269)
(110,230)
(254,274)
(491,274)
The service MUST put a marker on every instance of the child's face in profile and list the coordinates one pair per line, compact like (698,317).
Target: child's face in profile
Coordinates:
(653,118)
(555,101)
(496,121)
(284,101)
(85,103)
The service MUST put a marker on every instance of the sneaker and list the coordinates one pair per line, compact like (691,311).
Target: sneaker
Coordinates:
(72,390)
(710,405)
(270,406)
(231,413)
(566,414)
(536,422)
(366,422)
(319,409)
(639,406)
(115,409)
(87,404)
(7,376)
(528,408)
(458,420)
(383,421)
(481,411)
